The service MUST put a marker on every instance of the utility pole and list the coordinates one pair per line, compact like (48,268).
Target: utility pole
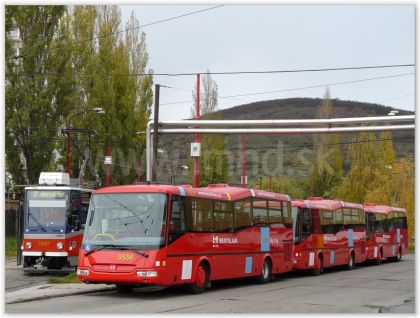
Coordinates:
(196,182)
(243,178)
(107,166)
(155,132)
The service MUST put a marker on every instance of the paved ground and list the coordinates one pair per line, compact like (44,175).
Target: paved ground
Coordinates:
(389,287)
(15,278)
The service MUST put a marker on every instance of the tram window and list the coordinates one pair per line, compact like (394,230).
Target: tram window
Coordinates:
(259,212)
(243,216)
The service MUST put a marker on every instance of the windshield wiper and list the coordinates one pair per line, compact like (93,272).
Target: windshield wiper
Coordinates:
(36,221)
(117,247)
(101,247)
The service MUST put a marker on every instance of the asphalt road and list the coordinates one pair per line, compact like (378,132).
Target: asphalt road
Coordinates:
(389,287)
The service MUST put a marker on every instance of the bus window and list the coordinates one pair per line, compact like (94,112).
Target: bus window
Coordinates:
(259,212)
(306,224)
(380,222)
(243,214)
(177,222)
(223,217)
(327,221)
(296,224)
(274,213)
(390,218)
(287,215)
(338,220)
(201,217)
(400,220)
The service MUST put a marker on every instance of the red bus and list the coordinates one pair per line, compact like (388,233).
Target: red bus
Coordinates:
(328,233)
(387,232)
(166,235)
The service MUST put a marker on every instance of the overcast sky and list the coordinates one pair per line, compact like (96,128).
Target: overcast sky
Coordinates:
(281,37)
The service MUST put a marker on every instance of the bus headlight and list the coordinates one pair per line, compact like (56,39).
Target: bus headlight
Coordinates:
(146,274)
(60,245)
(28,245)
(82,272)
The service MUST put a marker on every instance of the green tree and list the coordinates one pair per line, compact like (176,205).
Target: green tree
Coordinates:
(362,155)
(35,101)
(328,163)
(213,160)
(295,188)
(126,98)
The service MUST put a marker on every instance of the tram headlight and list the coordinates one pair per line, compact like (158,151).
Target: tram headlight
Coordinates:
(60,245)
(147,274)
(28,245)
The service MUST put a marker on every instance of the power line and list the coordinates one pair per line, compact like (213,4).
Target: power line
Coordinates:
(296,89)
(129,29)
(394,98)
(211,73)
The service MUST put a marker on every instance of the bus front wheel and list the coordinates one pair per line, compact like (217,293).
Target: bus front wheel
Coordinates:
(265,272)
(201,279)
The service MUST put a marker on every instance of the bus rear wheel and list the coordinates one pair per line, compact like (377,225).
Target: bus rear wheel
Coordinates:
(266,270)
(319,266)
(351,263)
(378,261)
(398,257)
(201,279)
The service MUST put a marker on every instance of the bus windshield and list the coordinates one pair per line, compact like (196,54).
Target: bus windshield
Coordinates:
(137,220)
(46,208)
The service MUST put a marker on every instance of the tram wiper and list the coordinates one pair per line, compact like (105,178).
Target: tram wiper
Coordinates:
(36,221)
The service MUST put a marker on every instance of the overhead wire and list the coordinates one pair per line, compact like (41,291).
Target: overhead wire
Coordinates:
(127,29)
(296,89)
(213,73)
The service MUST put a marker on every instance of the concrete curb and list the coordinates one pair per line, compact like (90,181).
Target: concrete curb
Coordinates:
(46,291)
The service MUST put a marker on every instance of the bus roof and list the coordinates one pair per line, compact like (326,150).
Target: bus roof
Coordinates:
(217,191)
(382,208)
(322,204)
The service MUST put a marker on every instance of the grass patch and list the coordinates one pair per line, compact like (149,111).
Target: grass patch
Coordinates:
(11,245)
(68,279)
(411,247)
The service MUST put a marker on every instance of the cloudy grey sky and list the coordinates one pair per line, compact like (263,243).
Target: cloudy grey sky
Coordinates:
(281,37)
